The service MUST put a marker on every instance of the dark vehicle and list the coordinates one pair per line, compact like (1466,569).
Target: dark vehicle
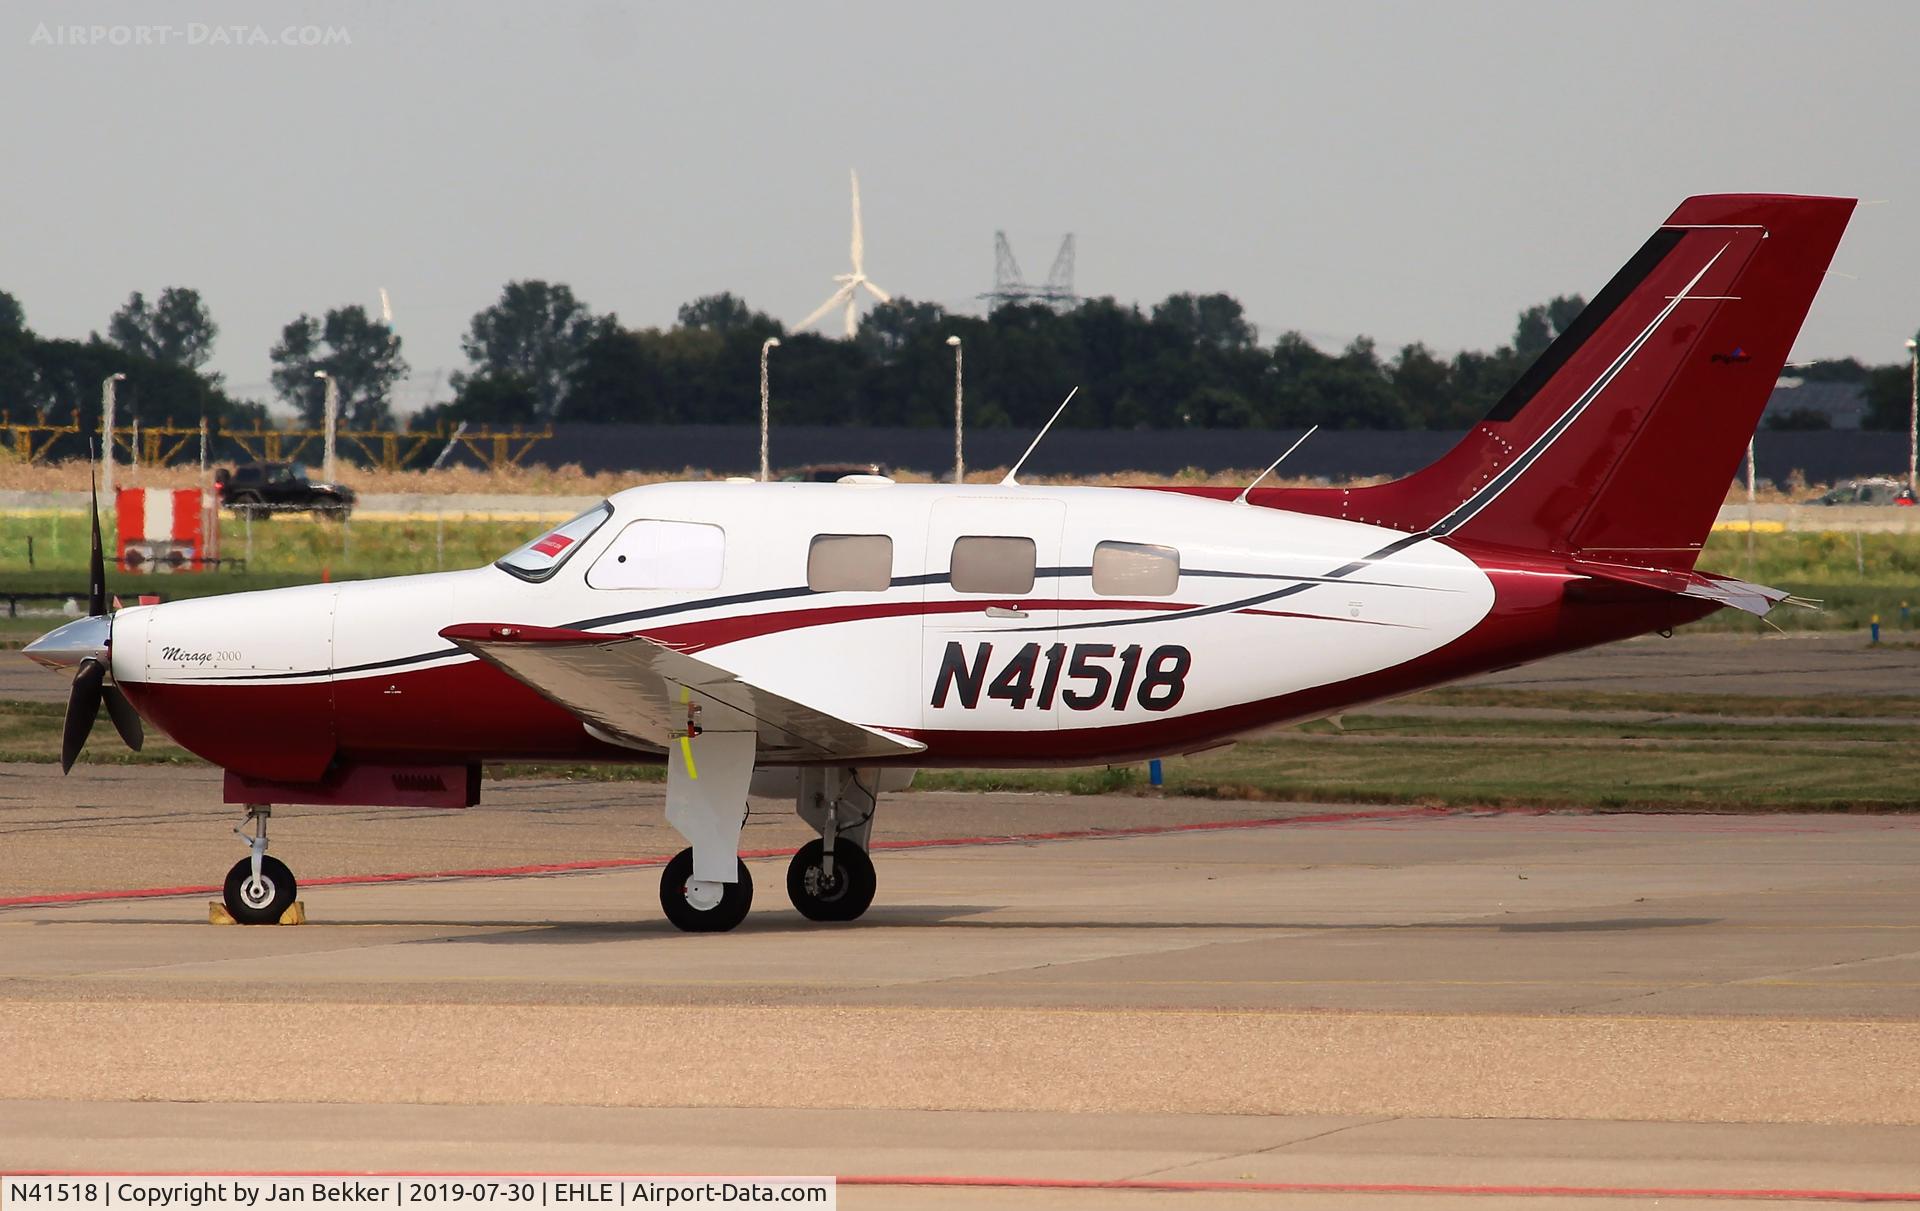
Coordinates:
(1876,491)
(263,489)
(828,473)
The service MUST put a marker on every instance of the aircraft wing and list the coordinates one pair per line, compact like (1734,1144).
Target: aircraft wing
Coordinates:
(641,693)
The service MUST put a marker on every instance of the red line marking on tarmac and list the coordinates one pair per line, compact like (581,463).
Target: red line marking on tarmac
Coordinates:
(559,868)
(1068,1183)
(1074,1183)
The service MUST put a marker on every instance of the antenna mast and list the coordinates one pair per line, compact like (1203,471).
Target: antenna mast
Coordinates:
(1248,490)
(1036,441)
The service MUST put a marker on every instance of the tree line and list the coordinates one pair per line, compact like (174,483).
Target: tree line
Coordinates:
(161,347)
(539,355)
(1190,361)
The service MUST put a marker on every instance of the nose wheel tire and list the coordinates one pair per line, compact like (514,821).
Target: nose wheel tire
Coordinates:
(260,903)
(735,898)
(844,896)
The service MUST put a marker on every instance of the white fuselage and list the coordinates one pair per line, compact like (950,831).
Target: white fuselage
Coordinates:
(1264,603)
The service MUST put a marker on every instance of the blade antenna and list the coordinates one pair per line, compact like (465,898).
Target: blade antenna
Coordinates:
(1248,490)
(1036,441)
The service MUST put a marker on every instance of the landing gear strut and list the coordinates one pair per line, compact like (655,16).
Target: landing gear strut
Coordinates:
(258,888)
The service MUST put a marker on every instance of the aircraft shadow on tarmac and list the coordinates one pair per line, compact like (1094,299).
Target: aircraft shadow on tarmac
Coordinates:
(947,916)
(515,933)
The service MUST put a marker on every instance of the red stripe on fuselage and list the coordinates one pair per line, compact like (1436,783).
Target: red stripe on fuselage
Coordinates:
(715,632)
(691,637)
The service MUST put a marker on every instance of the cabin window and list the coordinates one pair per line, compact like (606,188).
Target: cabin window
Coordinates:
(543,556)
(1135,569)
(993,565)
(849,563)
(662,555)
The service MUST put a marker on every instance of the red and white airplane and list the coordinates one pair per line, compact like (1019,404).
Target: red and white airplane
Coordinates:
(829,638)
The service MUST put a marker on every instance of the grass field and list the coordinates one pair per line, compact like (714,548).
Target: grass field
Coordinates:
(1792,760)
(1737,706)
(1855,576)
(293,549)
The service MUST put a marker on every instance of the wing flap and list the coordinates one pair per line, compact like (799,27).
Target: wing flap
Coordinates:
(644,693)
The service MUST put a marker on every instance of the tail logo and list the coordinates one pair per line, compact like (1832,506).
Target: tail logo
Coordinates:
(1739,356)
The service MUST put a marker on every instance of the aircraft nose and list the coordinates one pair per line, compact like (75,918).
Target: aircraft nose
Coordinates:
(66,646)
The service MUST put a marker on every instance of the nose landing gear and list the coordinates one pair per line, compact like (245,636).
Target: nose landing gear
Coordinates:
(258,889)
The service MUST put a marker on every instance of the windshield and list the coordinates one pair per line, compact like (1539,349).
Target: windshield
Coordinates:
(543,556)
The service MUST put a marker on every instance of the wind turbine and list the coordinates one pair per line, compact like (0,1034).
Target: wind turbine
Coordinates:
(850,283)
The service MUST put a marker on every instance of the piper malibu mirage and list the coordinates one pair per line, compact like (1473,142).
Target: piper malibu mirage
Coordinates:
(823,640)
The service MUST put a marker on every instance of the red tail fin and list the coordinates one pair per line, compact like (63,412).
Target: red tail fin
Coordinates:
(1619,442)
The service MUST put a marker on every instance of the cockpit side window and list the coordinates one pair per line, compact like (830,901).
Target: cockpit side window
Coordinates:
(543,556)
(662,555)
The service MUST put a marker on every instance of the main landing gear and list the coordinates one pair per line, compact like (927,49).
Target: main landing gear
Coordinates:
(832,879)
(258,889)
(706,888)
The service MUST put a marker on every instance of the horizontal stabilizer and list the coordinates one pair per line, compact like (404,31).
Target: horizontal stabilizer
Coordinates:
(1755,599)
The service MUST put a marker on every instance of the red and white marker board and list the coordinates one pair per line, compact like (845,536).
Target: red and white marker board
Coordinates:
(162,529)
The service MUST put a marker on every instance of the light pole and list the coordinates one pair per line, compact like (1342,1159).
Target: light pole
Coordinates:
(1750,493)
(333,420)
(959,463)
(1913,420)
(767,346)
(106,429)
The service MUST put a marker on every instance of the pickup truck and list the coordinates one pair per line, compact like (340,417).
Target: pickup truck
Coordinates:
(263,489)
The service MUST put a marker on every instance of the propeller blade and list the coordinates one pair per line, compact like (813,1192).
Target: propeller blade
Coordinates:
(859,239)
(853,311)
(126,720)
(83,706)
(876,292)
(96,563)
(837,297)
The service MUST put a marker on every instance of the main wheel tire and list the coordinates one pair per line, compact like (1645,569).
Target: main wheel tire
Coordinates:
(735,898)
(262,905)
(844,897)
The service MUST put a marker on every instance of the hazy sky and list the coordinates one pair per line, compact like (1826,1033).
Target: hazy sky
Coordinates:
(1414,171)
